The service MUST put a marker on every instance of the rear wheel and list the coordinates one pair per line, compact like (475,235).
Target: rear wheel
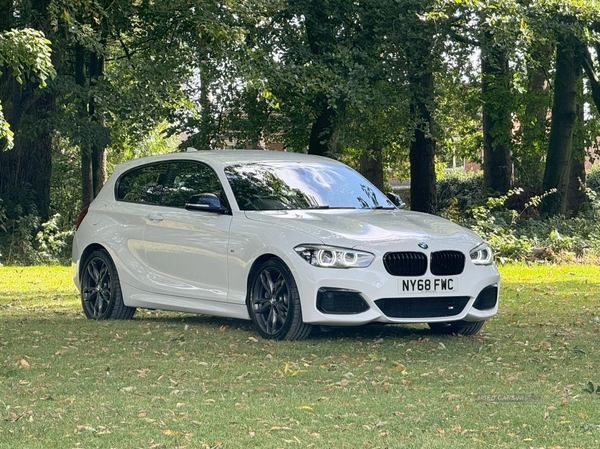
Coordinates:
(457,327)
(274,303)
(101,296)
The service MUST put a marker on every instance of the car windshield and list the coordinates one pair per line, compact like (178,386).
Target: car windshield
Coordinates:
(301,185)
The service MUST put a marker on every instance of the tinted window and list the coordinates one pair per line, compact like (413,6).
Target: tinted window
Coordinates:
(188,179)
(142,185)
(284,185)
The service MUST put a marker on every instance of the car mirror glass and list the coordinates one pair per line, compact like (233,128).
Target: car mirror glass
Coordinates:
(395,198)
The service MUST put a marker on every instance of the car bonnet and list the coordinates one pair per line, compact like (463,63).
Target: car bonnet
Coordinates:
(371,228)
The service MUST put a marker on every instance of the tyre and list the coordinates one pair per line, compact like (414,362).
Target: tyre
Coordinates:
(457,327)
(101,296)
(274,303)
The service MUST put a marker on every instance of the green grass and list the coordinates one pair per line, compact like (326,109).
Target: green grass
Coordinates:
(173,380)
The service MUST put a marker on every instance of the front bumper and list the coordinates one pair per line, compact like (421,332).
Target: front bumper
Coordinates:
(358,296)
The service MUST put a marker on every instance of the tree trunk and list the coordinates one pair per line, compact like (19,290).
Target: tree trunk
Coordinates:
(7,6)
(529,161)
(576,196)
(87,172)
(257,118)
(95,138)
(564,113)
(101,137)
(322,140)
(497,123)
(203,140)
(320,36)
(422,148)
(25,169)
(371,165)
(588,65)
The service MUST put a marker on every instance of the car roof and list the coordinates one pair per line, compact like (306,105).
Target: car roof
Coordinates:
(225,157)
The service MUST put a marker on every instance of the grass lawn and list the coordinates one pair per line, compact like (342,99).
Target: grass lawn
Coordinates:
(173,380)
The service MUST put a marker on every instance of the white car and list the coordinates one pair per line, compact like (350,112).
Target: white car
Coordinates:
(288,240)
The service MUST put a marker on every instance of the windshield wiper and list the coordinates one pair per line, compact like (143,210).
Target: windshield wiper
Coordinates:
(383,207)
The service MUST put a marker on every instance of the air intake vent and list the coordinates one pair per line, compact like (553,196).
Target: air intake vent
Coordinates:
(488,298)
(422,307)
(340,302)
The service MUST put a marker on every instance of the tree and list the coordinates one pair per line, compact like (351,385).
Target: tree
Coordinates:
(26,65)
(493,28)
(496,95)
(533,112)
(564,114)
(23,54)
(572,26)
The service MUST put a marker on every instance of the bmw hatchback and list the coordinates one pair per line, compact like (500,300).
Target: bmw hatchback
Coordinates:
(289,241)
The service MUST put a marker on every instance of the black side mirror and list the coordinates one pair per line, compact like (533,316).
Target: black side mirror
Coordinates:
(206,202)
(395,198)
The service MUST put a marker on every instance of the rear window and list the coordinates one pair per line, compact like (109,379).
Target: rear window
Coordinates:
(143,185)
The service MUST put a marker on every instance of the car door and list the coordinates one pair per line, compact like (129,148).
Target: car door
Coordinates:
(186,250)
(137,194)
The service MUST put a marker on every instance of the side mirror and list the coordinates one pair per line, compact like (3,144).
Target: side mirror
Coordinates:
(395,198)
(206,202)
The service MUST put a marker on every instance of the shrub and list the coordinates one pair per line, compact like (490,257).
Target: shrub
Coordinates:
(517,233)
(593,179)
(24,240)
(459,190)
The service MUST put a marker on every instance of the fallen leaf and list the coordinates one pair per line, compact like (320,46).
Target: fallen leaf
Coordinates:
(24,364)
(308,408)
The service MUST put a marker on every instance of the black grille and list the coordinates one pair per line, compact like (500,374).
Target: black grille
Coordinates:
(424,307)
(447,263)
(340,302)
(487,298)
(405,263)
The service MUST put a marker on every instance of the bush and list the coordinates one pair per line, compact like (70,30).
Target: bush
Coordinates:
(24,240)
(593,179)
(517,233)
(459,191)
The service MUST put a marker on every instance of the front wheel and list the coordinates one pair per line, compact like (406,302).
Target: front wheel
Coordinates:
(457,327)
(101,296)
(274,303)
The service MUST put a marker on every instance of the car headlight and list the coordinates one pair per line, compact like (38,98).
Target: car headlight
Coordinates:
(334,257)
(482,255)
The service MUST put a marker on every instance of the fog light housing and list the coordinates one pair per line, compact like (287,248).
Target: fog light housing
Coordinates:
(337,301)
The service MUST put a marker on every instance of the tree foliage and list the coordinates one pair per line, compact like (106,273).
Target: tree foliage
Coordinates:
(24,53)
(390,86)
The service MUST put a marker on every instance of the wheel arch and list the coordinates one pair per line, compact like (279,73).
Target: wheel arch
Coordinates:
(86,253)
(254,268)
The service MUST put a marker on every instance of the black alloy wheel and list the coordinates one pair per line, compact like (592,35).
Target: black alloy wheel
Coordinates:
(274,303)
(101,296)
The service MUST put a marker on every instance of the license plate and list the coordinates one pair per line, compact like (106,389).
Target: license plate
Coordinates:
(428,285)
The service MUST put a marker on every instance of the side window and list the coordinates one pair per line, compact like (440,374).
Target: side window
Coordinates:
(142,185)
(188,180)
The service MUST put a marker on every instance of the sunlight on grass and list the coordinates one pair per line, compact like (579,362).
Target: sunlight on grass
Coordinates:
(176,380)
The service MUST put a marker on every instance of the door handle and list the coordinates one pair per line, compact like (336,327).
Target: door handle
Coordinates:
(155,217)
